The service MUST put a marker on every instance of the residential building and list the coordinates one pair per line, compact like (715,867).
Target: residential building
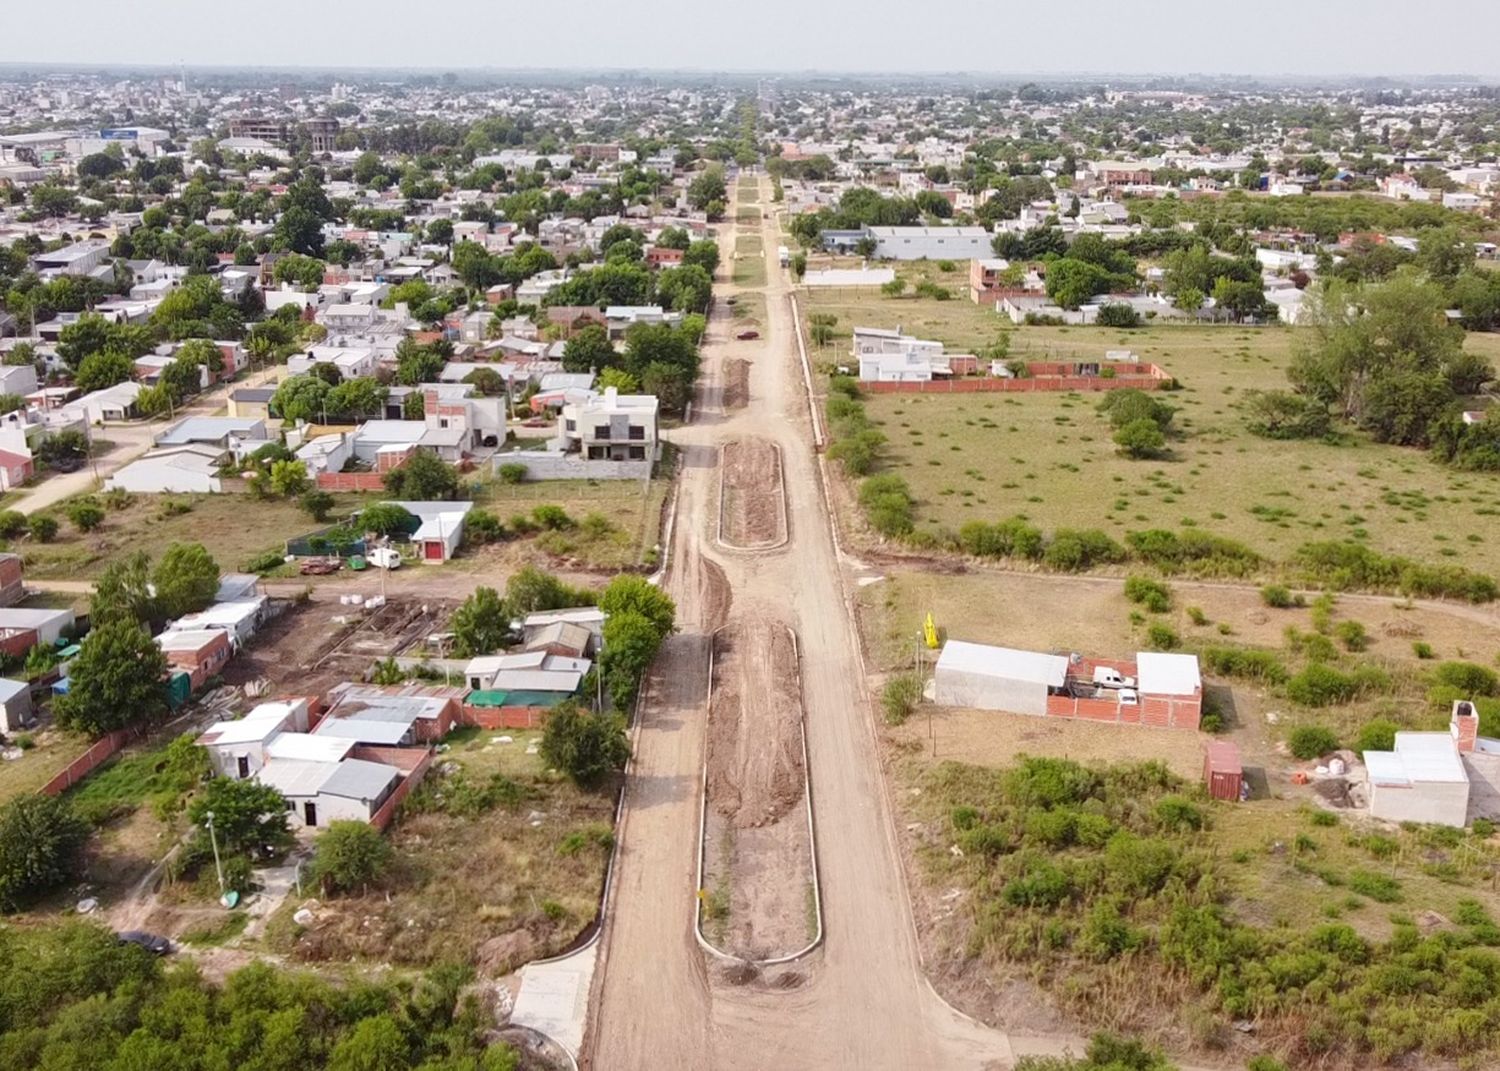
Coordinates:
(611,426)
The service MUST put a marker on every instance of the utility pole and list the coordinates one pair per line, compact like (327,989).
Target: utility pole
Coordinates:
(208,822)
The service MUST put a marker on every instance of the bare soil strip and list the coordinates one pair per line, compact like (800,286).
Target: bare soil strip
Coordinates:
(758,867)
(736,383)
(752,505)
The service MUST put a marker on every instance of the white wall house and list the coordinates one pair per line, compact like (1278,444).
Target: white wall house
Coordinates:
(996,678)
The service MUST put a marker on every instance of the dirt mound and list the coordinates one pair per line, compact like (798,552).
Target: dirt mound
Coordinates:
(755,773)
(500,955)
(736,383)
(714,593)
(752,507)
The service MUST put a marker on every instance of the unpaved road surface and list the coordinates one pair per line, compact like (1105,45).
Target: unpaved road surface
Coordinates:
(752,507)
(757,846)
(860,1001)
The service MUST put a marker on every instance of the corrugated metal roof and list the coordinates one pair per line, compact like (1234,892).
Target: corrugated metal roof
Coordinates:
(1159,673)
(358,779)
(364,730)
(495,697)
(296,777)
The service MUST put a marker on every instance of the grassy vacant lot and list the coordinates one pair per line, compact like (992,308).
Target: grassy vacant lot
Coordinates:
(1050,456)
(617,522)
(747,214)
(749,261)
(749,310)
(52,750)
(233,527)
(497,862)
(1120,893)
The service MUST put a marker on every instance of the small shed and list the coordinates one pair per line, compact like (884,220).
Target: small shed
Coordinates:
(1222,772)
(15,705)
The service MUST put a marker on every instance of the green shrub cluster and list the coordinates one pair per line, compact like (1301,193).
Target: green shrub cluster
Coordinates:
(1097,879)
(1346,566)
(1245,663)
(888,505)
(1194,552)
(1320,685)
(1152,594)
(853,440)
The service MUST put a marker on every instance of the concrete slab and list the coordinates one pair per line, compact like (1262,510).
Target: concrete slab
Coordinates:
(554,998)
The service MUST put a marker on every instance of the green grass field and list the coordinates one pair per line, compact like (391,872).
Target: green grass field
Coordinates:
(749,261)
(1050,456)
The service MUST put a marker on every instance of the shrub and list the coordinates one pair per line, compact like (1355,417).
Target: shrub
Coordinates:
(1012,538)
(1178,812)
(900,697)
(1422,650)
(1141,439)
(1074,550)
(1279,597)
(1467,677)
(43,528)
(1041,885)
(1197,616)
(1152,594)
(265,561)
(482,527)
(1248,664)
(552,518)
(1378,734)
(1377,887)
(1319,685)
(511,472)
(888,504)
(1118,314)
(12,523)
(86,514)
(349,855)
(1192,551)
(1346,566)
(1312,741)
(1352,635)
(1160,637)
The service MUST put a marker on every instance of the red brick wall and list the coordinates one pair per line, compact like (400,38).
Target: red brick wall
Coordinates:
(382,818)
(204,662)
(491,718)
(19,642)
(351,481)
(988,384)
(102,749)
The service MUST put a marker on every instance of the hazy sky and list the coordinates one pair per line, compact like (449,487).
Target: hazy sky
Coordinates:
(1390,37)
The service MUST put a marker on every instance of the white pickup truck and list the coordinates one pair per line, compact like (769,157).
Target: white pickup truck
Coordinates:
(1105,677)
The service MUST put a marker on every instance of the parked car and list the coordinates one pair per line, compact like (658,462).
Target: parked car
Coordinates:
(1106,677)
(746,336)
(156,945)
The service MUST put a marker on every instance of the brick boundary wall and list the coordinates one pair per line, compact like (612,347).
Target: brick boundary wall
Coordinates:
(99,752)
(382,818)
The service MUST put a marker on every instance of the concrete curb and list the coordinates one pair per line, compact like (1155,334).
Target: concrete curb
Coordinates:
(812,831)
(820,440)
(786,509)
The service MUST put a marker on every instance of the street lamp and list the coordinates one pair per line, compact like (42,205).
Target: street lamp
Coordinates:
(208,822)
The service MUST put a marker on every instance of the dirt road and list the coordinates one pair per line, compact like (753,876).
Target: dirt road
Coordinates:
(861,1000)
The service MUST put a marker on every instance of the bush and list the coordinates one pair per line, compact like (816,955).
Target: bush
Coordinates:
(511,472)
(1178,812)
(43,528)
(1378,734)
(1352,635)
(1118,314)
(1012,538)
(85,513)
(1160,637)
(265,562)
(1422,650)
(1344,566)
(888,505)
(1244,663)
(1152,594)
(552,518)
(900,697)
(587,747)
(1319,685)
(1141,439)
(349,855)
(1312,741)
(1279,597)
(1197,616)
(1074,550)
(1468,678)
(1193,552)
(1377,887)
(482,527)
(12,523)
(40,842)
(317,504)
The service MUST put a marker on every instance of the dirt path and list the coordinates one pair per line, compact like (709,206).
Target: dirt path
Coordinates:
(752,506)
(862,1000)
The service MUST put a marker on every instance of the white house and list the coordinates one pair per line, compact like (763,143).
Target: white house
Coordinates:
(1422,780)
(611,426)
(997,678)
(192,468)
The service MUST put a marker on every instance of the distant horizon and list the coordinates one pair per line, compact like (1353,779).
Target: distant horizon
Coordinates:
(1189,78)
(1330,40)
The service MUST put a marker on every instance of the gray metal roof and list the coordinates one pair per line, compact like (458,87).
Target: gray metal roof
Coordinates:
(357,779)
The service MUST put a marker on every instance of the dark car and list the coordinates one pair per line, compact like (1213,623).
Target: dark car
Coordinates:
(157,946)
(746,336)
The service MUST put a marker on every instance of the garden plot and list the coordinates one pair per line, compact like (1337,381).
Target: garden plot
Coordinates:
(757,900)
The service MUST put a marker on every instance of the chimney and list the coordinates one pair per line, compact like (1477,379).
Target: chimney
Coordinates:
(1465,725)
(611,396)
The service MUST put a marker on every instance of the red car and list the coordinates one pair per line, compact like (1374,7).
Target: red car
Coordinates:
(746,336)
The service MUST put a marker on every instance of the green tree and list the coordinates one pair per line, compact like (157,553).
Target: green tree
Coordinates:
(186,579)
(317,504)
(301,398)
(288,479)
(375,1044)
(1140,439)
(1072,282)
(417,364)
(423,478)
(589,350)
(587,747)
(100,370)
(386,518)
(40,843)
(706,188)
(117,679)
(86,514)
(363,396)
(247,814)
(632,593)
(631,641)
(481,624)
(703,254)
(349,855)
(123,592)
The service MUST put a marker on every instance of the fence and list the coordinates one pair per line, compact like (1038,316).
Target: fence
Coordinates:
(516,717)
(101,751)
(351,481)
(382,818)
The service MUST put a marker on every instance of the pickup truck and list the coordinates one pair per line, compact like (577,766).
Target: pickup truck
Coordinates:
(1105,677)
